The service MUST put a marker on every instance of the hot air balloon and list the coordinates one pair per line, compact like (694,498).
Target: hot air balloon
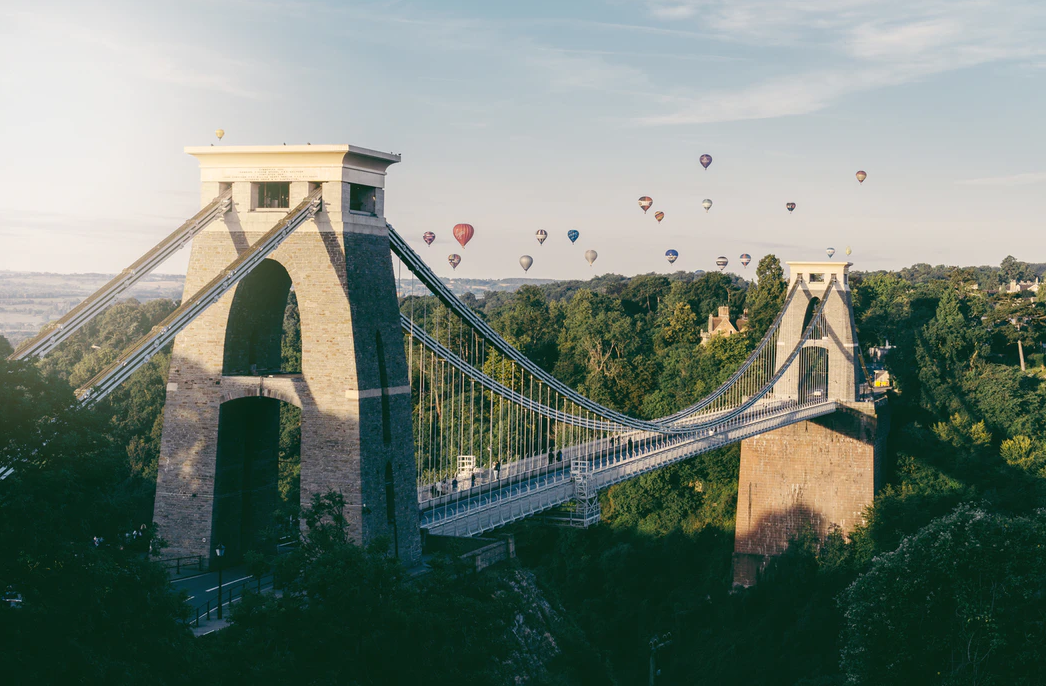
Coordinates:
(706,160)
(861,176)
(848,251)
(671,256)
(645,202)
(463,233)
(831,252)
(525,262)
(542,235)
(220,133)
(721,262)
(746,259)
(454,260)
(707,204)
(428,237)
(572,235)
(591,256)
(659,216)
(789,206)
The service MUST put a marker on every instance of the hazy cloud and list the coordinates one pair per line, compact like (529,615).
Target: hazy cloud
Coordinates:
(871,43)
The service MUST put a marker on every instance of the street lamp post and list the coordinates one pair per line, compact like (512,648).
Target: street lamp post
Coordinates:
(657,643)
(220,553)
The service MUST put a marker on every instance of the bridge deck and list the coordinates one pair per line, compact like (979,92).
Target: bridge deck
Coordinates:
(484,507)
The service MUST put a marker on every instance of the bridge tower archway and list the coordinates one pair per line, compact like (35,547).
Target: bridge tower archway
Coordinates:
(254,334)
(355,402)
(813,281)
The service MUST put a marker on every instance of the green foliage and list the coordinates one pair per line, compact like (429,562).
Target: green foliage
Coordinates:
(350,615)
(767,296)
(959,602)
(290,344)
(89,614)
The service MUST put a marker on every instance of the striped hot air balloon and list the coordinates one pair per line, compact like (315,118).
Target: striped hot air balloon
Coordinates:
(645,202)
(746,259)
(463,233)
(542,235)
(721,262)
(861,176)
(659,216)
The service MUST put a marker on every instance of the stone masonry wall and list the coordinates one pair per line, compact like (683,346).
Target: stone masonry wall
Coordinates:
(341,269)
(821,473)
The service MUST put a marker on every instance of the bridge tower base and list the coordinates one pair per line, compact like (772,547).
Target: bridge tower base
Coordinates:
(821,474)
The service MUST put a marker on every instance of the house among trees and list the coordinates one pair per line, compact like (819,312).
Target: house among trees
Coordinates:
(721,326)
(1019,286)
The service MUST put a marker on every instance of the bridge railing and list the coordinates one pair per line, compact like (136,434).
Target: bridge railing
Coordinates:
(230,593)
(180,563)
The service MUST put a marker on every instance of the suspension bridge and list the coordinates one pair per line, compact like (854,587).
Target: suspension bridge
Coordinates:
(419,412)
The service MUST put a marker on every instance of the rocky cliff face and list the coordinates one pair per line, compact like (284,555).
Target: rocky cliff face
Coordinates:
(546,645)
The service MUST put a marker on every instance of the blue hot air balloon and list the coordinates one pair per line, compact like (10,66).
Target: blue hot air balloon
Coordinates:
(671,255)
(573,235)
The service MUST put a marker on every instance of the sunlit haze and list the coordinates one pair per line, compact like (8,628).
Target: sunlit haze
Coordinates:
(520,116)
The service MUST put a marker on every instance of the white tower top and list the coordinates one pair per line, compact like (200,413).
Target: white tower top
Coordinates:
(316,163)
(819,272)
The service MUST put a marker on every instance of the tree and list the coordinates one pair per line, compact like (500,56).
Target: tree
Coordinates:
(959,602)
(766,298)
(94,610)
(346,615)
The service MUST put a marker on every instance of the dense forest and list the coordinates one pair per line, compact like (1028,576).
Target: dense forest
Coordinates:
(942,585)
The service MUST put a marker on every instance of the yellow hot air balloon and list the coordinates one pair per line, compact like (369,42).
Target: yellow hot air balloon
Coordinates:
(848,251)
(220,133)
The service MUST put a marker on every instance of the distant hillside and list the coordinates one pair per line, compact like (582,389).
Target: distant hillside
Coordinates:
(463,286)
(28,300)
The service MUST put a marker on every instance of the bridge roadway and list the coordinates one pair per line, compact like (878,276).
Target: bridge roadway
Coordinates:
(471,511)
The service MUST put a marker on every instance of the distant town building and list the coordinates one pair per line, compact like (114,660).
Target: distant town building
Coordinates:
(720,325)
(1019,286)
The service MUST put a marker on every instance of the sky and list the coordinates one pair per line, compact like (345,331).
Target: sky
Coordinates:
(544,114)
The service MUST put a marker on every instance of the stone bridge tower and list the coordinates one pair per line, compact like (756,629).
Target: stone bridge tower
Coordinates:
(227,388)
(822,473)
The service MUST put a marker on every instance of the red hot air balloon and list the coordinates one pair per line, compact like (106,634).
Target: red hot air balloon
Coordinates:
(746,259)
(861,176)
(706,160)
(790,206)
(454,260)
(428,237)
(659,216)
(645,202)
(463,233)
